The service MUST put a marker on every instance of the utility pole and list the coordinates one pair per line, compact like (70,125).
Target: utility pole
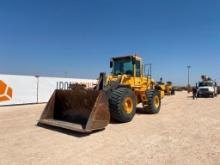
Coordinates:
(188,67)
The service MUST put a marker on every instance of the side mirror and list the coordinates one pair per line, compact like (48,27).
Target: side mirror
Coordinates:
(111,64)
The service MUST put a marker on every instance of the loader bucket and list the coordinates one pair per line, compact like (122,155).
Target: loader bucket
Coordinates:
(81,110)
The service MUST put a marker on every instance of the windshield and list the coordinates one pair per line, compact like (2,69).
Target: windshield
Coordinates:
(203,84)
(122,66)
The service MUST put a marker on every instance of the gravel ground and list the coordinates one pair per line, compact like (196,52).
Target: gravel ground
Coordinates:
(186,132)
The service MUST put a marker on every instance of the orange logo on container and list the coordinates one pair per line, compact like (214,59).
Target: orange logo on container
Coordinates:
(5,92)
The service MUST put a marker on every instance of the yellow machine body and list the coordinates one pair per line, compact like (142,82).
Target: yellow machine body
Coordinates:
(168,88)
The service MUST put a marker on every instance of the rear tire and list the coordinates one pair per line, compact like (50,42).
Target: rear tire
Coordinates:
(154,101)
(122,103)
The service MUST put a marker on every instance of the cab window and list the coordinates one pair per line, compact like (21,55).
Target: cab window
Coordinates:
(123,66)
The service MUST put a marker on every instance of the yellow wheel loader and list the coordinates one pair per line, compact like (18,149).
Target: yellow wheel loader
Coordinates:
(165,88)
(169,90)
(115,96)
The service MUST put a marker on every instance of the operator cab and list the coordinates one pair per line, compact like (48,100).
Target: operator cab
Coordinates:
(128,65)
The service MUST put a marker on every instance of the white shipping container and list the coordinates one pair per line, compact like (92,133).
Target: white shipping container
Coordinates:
(47,85)
(24,89)
(17,89)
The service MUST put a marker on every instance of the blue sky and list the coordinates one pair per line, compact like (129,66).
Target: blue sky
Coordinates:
(77,37)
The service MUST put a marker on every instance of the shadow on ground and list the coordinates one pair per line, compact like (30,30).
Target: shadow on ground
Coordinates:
(66,131)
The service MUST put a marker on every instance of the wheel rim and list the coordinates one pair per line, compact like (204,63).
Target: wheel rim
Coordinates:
(128,105)
(156,102)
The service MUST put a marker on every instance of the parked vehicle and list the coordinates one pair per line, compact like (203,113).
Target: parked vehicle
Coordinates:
(207,87)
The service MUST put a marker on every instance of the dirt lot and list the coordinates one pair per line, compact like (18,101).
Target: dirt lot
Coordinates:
(186,131)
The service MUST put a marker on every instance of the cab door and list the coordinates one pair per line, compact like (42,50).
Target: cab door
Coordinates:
(137,73)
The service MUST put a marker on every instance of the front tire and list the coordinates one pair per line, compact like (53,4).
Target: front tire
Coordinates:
(122,103)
